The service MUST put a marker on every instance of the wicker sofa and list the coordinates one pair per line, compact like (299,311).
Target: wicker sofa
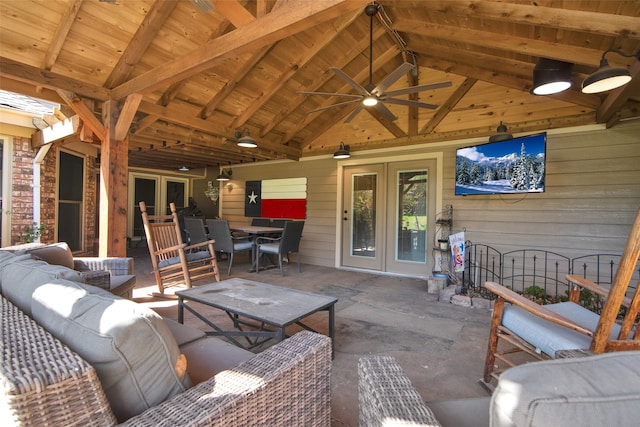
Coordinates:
(75,354)
(601,390)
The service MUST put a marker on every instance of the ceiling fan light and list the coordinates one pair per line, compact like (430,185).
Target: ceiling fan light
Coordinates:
(369,101)
(606,78)
(343,152)
(551,76)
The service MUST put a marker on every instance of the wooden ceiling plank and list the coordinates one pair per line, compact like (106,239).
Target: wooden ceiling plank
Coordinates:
(446,108)
(551,17)
(143,123)
(234,12)
(513,44)
(87,116)
(304,59)
(284,22)
(151,24)
(392,127)
(126,116)
(64,26)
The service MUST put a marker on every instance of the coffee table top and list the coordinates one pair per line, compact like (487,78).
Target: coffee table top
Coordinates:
(275,305)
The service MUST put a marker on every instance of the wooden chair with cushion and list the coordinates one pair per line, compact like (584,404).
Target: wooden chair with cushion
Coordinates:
(173,260)
(566,328)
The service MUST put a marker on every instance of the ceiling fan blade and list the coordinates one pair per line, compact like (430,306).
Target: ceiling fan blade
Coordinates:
(382,109)
(354,113)
(410,103)
(349,95)
(420,88)
(361,90)
(392,78)
(339,104)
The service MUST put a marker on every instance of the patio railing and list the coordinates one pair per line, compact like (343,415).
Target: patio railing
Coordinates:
(536,272)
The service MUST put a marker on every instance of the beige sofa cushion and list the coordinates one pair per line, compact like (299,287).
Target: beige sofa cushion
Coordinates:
(55,253)
(599,390)
(128,344)
(21,277)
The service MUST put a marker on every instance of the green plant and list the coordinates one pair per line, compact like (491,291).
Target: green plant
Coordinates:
(33,232)
(535,292)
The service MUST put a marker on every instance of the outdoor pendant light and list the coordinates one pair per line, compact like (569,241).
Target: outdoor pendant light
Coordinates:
(607,77)
(343,152)
(551,76)
(502,134)
(224,175)
(245,141)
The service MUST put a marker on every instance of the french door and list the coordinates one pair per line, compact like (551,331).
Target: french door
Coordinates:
(388,217)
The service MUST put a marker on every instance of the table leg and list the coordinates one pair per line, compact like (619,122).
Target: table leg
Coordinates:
(180,310)
(332,327)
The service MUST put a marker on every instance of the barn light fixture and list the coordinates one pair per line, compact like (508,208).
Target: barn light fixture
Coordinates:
(502,134)
(225,175)
(183,168)
(551,76)
(245,141)
(343,152)
(607,77)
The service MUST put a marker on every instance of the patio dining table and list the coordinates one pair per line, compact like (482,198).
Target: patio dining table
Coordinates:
(257,230)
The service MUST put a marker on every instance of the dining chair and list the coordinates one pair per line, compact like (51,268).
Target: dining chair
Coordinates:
(278,222)
(566,328)
(196,232)
(171,258)
(261,222)
(286,244)
(226,243)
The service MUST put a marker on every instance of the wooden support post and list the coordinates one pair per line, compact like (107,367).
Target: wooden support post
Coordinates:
(113,186)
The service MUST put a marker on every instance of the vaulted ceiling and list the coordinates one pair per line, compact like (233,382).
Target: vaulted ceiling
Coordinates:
(186,77)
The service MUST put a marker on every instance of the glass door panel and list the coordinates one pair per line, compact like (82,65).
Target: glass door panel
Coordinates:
(411,216)
(362,218)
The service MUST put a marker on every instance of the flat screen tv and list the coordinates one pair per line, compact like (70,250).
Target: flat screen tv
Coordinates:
(504,167)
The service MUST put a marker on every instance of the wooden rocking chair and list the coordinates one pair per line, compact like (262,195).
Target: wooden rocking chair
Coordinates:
(171,259)
(566,329)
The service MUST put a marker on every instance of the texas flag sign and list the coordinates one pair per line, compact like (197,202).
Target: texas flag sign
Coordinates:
(276,198)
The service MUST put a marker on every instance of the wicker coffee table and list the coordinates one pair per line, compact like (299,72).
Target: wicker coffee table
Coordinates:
(259,311)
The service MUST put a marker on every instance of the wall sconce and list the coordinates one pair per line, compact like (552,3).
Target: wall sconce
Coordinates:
(551,76)
(212,192)
(606,77)
(343,152)
(225,175)
(246,140)
(502,134)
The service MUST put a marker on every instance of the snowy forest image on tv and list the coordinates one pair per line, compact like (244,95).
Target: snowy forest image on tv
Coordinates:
(505,167)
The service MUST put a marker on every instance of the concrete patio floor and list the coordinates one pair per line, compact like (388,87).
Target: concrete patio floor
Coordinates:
(440,346)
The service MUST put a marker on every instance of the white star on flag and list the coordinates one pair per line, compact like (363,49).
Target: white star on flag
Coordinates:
(252,197)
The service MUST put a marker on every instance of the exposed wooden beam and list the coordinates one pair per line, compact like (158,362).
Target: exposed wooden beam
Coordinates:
(127,113)
(234,12)
(491,40)
(551,17)
(147,31)
(287,74)
(87,116)
(39,77)
(64,26)
(446,108)
(284,22)
(616,99)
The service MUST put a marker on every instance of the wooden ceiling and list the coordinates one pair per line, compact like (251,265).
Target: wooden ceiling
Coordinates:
(187,79)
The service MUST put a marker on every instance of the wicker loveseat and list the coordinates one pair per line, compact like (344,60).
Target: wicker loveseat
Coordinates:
(75,354)
(601,390)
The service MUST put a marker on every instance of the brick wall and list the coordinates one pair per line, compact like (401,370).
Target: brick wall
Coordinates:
(22,196)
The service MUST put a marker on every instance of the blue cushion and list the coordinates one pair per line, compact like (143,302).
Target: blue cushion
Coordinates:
(271,248)
(191,256)
(242,245)
(549,337)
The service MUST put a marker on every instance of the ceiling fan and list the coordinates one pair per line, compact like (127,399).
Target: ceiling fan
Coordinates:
(376,96)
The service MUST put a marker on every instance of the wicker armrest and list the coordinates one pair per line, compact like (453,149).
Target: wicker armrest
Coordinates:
(115,265)
(286,385)
(387,397)
(44,382)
